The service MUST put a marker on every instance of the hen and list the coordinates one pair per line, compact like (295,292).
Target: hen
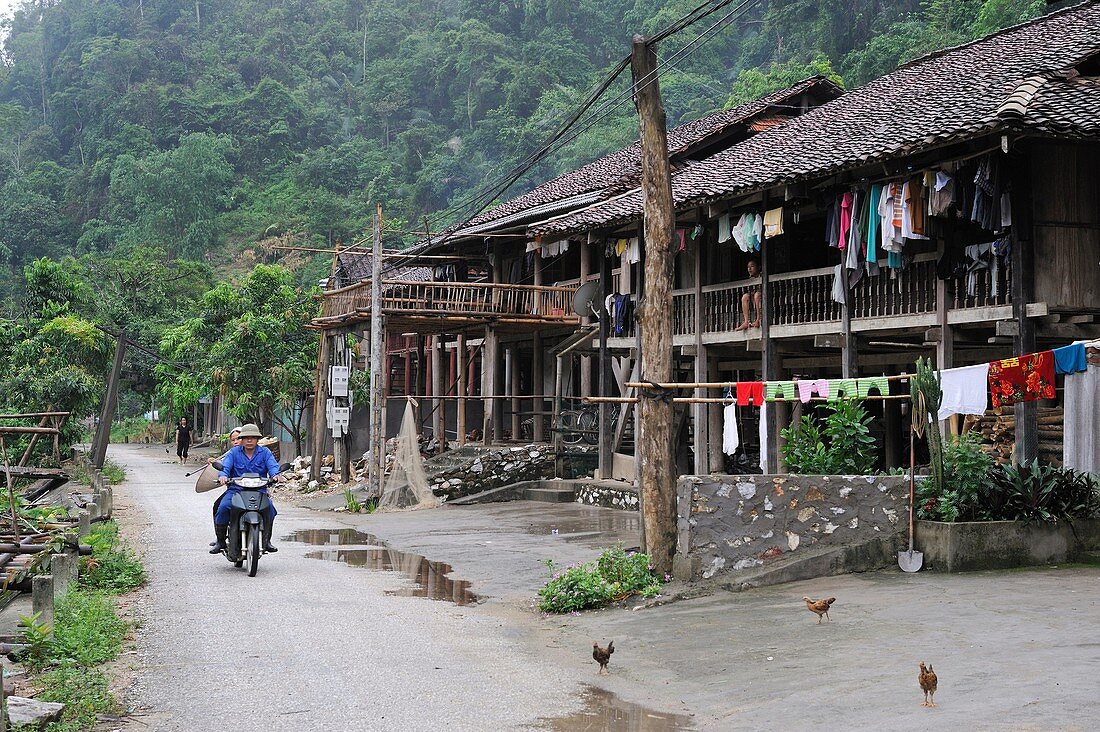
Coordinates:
(821,607)
(928,681)
(602,656)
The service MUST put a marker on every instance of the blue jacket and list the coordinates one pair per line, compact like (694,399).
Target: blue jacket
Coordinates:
(236,463)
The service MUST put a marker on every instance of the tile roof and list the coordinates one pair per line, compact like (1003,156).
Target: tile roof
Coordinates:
(1020,78)
(352,268)
(621,170)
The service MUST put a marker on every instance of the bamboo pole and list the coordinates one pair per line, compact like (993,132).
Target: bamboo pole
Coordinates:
(11,489)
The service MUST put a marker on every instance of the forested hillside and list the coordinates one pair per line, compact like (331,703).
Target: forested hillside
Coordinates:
(151,148)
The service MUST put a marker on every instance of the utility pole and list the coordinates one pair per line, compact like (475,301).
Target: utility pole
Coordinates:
(376,464)
(110,400)
(655,444)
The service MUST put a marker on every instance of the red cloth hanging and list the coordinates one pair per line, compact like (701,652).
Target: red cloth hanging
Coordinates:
(1022,379)
(750,391)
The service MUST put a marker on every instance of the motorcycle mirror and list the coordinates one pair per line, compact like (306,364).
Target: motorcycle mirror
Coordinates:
(216,465)
(284,467)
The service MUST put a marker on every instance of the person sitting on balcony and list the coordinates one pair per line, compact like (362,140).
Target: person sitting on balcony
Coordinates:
(750,297)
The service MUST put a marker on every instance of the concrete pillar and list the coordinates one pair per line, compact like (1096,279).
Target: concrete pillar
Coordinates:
(84,523)
(63,567)
(42,597)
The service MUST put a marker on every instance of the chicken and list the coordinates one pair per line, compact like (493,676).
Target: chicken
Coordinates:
(602,656)
(928,681)
(821,607)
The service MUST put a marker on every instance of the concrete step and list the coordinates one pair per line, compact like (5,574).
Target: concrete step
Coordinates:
(551,495)
(816,562)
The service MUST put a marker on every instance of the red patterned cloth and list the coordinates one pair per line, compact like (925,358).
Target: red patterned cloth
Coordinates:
(750,391)
(1022,379)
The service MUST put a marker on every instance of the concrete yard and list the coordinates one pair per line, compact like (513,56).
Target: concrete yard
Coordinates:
(331,646)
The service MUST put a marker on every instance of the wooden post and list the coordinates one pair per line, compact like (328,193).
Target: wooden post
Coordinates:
(110,400)
(605,435)
(849,346)
(769,353)
(376,464)
(489,370)
(511,379)
(537,390)
(586,362)
(699,422)
(463,392)
(320,398)
(1023,291)
(655,449)
(439,426)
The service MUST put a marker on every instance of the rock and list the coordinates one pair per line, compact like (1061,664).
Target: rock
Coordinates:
(715,565)
(814,494)
(747,490)
(31,712)
(793,540)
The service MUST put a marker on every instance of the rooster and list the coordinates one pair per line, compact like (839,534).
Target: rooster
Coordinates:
(602,656)
(821,607)
(928,681)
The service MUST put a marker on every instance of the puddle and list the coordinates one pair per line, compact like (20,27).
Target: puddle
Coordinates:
(330,537)
(430,577)
(605,712)
(586,526)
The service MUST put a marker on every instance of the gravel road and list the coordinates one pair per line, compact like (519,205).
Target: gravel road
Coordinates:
(308,644)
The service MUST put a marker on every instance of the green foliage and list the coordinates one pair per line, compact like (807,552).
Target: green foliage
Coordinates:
(926,396)
(754,83)
(966,475)
(615,575)
(130,429)
(37,636)
(842,446)
(87,630)
(84,692)
(1036,492)
(113,568)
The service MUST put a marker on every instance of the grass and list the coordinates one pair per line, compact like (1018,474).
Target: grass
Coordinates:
(86,633)
(616,575)
(113,566)
(113,473)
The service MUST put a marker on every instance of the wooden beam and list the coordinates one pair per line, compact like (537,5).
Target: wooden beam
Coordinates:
(463,389)
(1023,291)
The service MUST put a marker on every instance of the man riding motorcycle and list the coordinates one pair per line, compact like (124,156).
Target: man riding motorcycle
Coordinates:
(247,457)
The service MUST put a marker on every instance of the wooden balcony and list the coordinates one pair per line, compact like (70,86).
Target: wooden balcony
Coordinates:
(442,305)
(802,303)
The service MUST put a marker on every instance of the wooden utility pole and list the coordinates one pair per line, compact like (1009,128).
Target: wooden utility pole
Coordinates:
(110,400)
(655,444)
(376,466)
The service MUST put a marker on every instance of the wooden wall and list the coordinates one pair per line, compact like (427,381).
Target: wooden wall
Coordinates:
(1066,201)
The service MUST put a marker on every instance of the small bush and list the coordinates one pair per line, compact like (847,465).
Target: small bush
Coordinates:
(966,475)
(616,575)
(842,446)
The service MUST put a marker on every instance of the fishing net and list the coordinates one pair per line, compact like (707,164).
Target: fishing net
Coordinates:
(406,486)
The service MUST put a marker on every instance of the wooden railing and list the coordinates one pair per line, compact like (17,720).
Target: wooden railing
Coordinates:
(799,298)
(465,299)
(909,291)
(989,289)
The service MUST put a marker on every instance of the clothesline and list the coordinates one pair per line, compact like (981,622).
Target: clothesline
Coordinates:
(728,400)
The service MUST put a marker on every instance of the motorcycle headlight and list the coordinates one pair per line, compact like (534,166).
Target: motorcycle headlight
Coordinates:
(251,482)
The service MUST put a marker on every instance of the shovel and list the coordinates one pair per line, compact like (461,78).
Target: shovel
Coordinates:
(911,561)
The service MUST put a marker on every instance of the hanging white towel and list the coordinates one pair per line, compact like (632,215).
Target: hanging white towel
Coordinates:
(764,440)
(731,439)
(633,251)
(724,228)
(965,390)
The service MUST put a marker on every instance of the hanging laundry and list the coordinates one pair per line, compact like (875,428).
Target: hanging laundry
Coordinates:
(845,218)
(755,230)
(864,385)
(779,390)
(764,447)
(681,235)
(1081,445)
(620,247)
(532,246)
(609,304)
(633,250)
(845,388)
(807,387)
(1022,379)
(914,205)
(874,227)
(773,222)
(741,233)
(624,314)
(723,228)
(988,189)
(1070,359)
(750,392)
(942,195)
(832,224)
(965,390)
(696,232)
(731,438)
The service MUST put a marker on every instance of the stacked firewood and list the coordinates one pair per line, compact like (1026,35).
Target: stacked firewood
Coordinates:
(998,431)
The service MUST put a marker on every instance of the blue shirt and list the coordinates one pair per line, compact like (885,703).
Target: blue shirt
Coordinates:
(236,463)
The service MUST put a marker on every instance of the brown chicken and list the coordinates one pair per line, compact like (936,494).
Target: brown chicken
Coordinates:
(821,607)
(602,656)
(928,681)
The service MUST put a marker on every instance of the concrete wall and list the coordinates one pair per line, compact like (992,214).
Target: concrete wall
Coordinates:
(745,521)
(969,546)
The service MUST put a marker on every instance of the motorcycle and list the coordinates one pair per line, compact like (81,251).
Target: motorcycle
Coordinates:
(244,540)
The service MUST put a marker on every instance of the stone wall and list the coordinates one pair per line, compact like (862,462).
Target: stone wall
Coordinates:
(597,494)
(740,522)
(493,468)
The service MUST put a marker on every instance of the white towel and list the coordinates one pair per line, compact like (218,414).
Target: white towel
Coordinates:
(731,440)
(965,390)
(764,440)
(724,231)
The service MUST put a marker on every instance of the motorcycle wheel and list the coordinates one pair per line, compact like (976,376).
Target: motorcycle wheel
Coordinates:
(253,549)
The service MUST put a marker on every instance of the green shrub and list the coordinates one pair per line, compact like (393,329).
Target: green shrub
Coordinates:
(615,575)
(83,691)
(1035,492)
(964,495)
(843,446)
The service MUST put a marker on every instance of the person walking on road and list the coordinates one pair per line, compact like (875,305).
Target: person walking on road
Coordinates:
(183,440)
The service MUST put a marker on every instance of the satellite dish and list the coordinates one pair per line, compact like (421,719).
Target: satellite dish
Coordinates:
(588,299)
